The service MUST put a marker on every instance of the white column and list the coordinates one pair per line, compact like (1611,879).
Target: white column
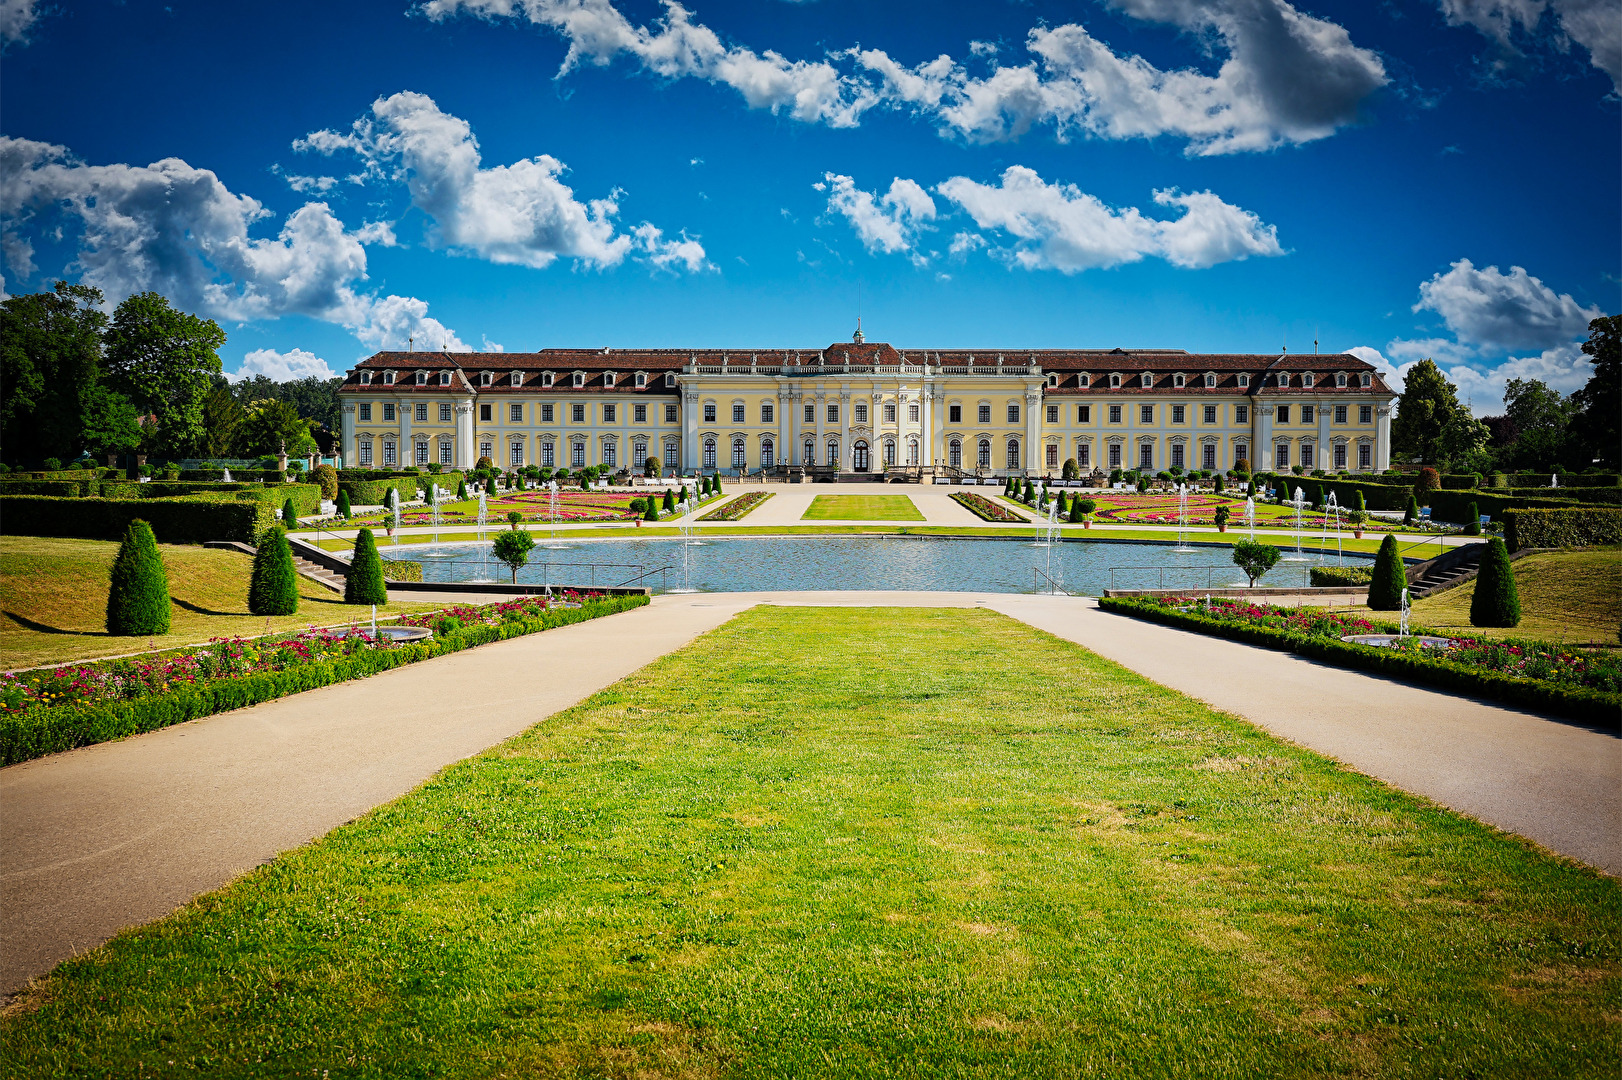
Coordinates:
(408,452)
(347,449)
(844,425)
(1382,439)
(1033,402)
(1262,459)
(465,456)
(689,423)
(820,411)
(926,430)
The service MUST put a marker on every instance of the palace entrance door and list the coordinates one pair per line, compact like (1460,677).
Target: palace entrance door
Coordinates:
(858,457)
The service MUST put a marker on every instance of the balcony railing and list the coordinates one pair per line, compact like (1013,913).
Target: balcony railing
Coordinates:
(795,371)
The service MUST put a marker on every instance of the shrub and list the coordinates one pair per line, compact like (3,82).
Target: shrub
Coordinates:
(1472,527)
(652,512)
(1219,484)
(490,485)
(1327,576)
(1254,558)
(289,515)
(461,490)
(1497,602)
(1411,515)
(513,518)
(1574,527)
(670,499)
(52,464)
(401,570)
(445,624)
(327,477)
(1030,491)
(1221,516)
(138,598)
(189,520)
(1070,470)
(1428,480)
(585,480)
(1388,579)
(343,504)
(273,585)
(513,547)
(651,468)
(364,583)
(638,505)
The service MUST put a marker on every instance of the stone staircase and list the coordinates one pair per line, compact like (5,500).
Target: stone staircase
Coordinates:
(317,573)
(1440,574)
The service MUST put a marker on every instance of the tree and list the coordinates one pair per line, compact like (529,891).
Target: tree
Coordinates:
(50,367)
(1596,425)
(110,424)
(223,418)
(1080,508)
(513,548)
(1254,558)
(461,490)
(165,361)
(1389,578)
(1070,470)
(1497,601)
(289,515)
(273,586)
(1218,488)
(651,468)
(270,425)
(364,582)
(1431,425)
(490,485)
(138,599)
(327,477)
(585,480)
(1541,419)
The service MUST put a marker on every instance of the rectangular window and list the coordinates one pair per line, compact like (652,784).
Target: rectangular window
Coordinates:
(610,452)
(515,414)
(487,450)
(1146,414)
(985,414)
(548,454)
(1146,455)
(639,413)
(912,414)
(833,415)
(484,415)
(516,454)
(1306,455)
(577,455)
(1340,455)
(1210,414)
(1053,456)
(608,414)
(546,413)
(1115,414)
(1178,414)
(388,454)
(422,453)
(1340,414)
(767,412)
(670,414)
(445,451)
(1241,414)
(861,412)
(1053,414)
(1306,414)
(954,414)
(1281,456)
(1241,451)
(366,453)
(1283,415)
(388,410)
(1365,414)
(577,414)
(810,415)
(889,414)
(444,413)
(1084,414)
(709,413)
(737,414)
(1365,457)
(1013,414)
(366,413)
(1177,455)
(422,412)
(1084,455)
(1208,457)
(1115,455)
(672,455)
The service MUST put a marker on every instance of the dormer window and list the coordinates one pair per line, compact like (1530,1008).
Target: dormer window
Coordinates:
(444,378)
(546,378)
(422,378)
(610,378)
(1210,379)
(579,379)
(1115,381)
(1340,378)
(1177,381)
(1368,380)
(1147,380)
(641,379)
(1053,380)
(388,378)
(670,378)
(1282,379)
(1306,380)
(484,378)
(1083,379)
(1244,381)
(366,378)
(517,378)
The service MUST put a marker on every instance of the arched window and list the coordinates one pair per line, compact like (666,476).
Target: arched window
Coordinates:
(709,453)
(738,459)
(889,451)
(366,378)
(1013,453)
(1083,379)
(1244,380)
(1282,379)
(1368,380)
(1340,378)
(808,453)
(1147,380)
(1115,380)
(954,453)
(983,454)
(517,378)
(1177,381)
(1306,380)
(768,453)
(422,378)
(1210,380)
(1053,380)
(912,451)
(833,452)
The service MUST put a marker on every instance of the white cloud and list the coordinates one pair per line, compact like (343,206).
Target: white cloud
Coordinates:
(1596,25)
(282,366)
(887,223)
(1563,367)
(17,17)
(1059,227)
(1287,77)
(520,213)
(1510,311)
(176,229)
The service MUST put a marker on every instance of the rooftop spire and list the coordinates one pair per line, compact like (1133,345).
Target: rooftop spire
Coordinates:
(857,337)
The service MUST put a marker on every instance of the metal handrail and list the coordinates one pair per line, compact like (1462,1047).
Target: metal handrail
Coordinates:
(1161,570)
(1054,587)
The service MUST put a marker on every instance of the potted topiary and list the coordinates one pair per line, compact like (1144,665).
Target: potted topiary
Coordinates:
(1221,518)
(1355,519)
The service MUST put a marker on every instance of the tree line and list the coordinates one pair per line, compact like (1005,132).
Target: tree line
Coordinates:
(1541,429)
(146,379)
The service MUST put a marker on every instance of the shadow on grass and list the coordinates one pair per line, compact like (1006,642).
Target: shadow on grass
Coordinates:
(200,610)
(42,628)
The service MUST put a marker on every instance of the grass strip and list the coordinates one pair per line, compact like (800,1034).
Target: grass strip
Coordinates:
(1600,709)
(39,731)
(869,843)
(862,508)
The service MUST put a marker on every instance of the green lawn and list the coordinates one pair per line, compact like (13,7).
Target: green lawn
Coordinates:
(53,600)
(867,842)
(861,508)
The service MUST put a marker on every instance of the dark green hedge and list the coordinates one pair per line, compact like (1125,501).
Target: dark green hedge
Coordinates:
(1569,527)
(1589,706)
(1601,496)
(190,520)
(1446,505)
(61,489)
(1566,480)
(370,492)
(38,732)
(269,476)
(1340,576)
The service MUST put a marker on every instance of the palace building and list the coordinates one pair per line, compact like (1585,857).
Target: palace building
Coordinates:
(866,407)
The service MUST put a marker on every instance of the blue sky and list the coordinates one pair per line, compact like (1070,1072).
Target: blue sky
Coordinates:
(1435,178)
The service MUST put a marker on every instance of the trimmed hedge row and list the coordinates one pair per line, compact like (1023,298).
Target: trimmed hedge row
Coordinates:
(1589,706)
(1567,527)
(370,492)
(1322,577)
(1602,496)
(269,476)
(1566,480)
(401,570)
(48,731)
(189,520)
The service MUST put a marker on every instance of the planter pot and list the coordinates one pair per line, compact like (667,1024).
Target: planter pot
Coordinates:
(1222,528)
(1357,533)
(1086,524)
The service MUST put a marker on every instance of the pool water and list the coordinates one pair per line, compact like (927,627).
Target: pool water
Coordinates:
(766,563)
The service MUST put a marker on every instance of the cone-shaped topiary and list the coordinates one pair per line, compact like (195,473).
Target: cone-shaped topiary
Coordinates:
(652,512)
(1030,490)
(289,515)
(585,480)
(461,489)
(1473,527)
(1497,601)
(489,485)
(343,503)
(670,499)
(138,600)
(1219,483)
(273,587)
(365,582)
(1385,587)
(1362,503)
(1411,515)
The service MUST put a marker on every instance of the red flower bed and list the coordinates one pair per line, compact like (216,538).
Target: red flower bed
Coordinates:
(984,508)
